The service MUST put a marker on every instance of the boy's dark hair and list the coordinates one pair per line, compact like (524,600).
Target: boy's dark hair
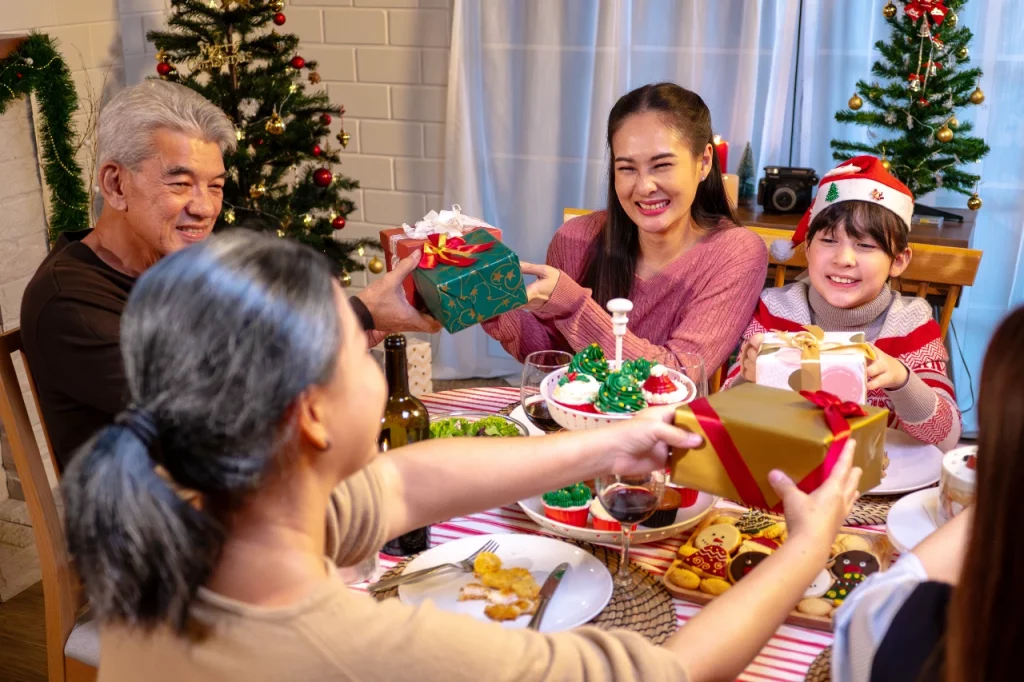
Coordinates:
(862,219)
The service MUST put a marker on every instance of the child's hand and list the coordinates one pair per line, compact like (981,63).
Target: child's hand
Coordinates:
(748,357)
(886,372)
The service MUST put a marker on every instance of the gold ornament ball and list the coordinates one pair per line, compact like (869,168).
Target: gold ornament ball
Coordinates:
(951,20)
(345,279)
(974,203)
(889,11)
(275,126)
(963,52)
(977,97)
(257,191)
(229,216)
(944,134)
(376,265)
(277,5)
(953,122)
(885,164)
(855,102)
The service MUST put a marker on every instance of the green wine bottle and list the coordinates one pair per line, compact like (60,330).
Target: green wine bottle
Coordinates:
(405,421)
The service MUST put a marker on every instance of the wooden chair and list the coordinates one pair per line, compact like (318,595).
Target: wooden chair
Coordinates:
(72,644)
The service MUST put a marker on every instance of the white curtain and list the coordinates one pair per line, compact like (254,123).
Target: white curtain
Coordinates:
(837,48)
(531,83)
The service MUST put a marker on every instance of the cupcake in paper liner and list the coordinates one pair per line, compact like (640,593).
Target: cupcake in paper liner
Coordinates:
(570,505)
(591,361)
(639,369)
(687,496)
(602,519)
(666,512)
(577,391)
(660,389)
(620,394)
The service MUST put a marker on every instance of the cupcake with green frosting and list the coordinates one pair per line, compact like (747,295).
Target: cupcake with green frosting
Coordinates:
(620,394)
(639,369)
(590,360)
(570,505)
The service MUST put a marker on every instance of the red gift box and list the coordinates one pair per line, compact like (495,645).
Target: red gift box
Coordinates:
(397,246)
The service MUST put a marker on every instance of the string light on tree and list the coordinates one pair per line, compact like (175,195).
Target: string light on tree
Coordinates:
(229,216)
(258,190)
(308,220)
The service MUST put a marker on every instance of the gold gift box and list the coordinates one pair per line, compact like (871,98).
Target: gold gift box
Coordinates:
(771,429)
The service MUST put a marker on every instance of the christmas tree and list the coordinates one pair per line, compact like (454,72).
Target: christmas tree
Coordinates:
(745,172)
(923,79)
(280,178)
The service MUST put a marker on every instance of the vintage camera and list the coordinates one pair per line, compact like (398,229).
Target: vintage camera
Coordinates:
(786,190)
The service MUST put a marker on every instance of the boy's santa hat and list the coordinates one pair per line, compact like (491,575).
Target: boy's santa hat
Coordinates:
(862,178)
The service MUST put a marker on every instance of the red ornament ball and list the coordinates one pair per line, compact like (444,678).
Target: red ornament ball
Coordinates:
(325,119)
(298,62)
(338,223)
(316,150)
(163,68)
(280,18)
(323,177)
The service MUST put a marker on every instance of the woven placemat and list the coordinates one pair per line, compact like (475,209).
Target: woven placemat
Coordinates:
(821,667)
(646,607)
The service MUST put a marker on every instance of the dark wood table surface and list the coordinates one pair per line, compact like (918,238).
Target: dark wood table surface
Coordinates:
(950,234)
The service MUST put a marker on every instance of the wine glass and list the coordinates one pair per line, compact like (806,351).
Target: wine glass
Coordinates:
(535,368)
(630,500)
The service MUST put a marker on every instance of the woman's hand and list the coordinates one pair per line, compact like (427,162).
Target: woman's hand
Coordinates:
(643,443)
(539,291)
(886,372)
(748,357)
(817,518)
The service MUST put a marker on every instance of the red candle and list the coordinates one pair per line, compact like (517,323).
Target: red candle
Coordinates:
(722,147)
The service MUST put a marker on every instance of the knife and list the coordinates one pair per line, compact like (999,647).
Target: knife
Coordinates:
(546,592)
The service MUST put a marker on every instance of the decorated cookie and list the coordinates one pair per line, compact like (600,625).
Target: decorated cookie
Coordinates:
(660,389)
(815,607)
(590,361)
(849,570)
(577,390)
(718,535)
(757,524)
(714,586)
(713,544)
(762,545)
(639,369)
(683,577)
(822,582)
(620,394)
(744,563)
(686,550)
(848,543)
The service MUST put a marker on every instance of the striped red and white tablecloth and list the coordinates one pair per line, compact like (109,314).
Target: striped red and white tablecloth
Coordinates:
(785,658)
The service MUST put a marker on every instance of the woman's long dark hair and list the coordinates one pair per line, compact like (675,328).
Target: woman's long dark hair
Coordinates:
(611,264)
(218,342)
(983,638)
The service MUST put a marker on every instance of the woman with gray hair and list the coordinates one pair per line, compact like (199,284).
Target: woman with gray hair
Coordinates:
(250,386)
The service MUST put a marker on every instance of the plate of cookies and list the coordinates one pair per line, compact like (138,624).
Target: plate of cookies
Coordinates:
(729,545)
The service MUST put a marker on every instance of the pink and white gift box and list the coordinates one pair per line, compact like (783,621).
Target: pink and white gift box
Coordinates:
(838,364)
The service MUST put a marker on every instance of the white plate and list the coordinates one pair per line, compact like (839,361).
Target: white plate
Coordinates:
(686,518)
(912,465)
(583,593)
(912,519)
(519,414)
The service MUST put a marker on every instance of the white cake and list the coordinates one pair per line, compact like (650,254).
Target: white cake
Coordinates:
(957,482)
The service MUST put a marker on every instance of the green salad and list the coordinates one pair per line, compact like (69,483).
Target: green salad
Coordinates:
(460,427)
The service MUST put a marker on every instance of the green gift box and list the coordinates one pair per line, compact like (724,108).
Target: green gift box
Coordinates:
(484,284)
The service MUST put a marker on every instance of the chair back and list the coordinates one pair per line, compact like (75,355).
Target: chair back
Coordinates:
(61,593)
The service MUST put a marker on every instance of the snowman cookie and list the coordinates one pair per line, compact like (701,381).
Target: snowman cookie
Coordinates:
(714,545)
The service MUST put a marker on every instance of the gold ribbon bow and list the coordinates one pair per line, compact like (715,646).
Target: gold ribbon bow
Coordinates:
(811,344)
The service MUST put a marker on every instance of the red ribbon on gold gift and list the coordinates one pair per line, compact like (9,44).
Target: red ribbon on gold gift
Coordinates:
(440,248)
(836,413)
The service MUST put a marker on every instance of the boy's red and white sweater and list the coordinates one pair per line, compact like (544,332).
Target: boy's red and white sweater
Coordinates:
(899,326)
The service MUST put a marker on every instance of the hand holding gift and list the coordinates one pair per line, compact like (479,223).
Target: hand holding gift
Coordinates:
(538,293)
(387,302)
(814,360)
(748,357)
(886,372)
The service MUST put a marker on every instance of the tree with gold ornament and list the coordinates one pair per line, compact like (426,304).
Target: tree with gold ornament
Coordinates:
(282,177)
(921,80)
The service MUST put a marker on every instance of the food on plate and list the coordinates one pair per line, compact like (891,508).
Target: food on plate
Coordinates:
(957,481)
(815,607)
(849,570)
(577,390)
(639,369)
(682,576)
(569,505)
(620,394)
(757,524)
(821,584)
(713,544)
(459,427)
(509,592)
(590,360)
(660,389)
(665,515)
(714,586)
(743,563)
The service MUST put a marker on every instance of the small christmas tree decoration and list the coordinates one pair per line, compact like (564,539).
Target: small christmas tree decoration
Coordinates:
(376,265)
(322,177)
(314,77)
(316,151)
(855,102)
(974,203)
(257,191)
(229,216)
(951,20)
(944,134)
(276,5)
(275,126)
(280,18)
(297,62)
(745,172)
(325,119)
(164,69)
(889,11)
(344,138)
(338,222)
(977,97)
(833,193)
(963,52)
(953,122)
(345,279)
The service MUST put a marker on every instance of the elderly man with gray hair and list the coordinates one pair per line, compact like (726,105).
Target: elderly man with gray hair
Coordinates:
(161,174)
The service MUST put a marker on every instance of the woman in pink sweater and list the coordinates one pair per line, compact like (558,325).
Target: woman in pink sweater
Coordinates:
(668,241)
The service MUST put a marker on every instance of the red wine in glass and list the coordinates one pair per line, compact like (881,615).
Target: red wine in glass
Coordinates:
(629,504)
(537,412)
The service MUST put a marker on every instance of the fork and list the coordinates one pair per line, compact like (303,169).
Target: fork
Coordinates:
(466,566)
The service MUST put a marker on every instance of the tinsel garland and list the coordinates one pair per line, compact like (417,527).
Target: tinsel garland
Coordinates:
(36,68)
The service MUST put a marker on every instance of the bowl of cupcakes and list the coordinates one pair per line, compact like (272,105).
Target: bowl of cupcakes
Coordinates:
(575,512)
(591,392)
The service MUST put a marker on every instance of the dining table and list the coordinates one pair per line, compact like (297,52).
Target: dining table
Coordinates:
(786,657)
